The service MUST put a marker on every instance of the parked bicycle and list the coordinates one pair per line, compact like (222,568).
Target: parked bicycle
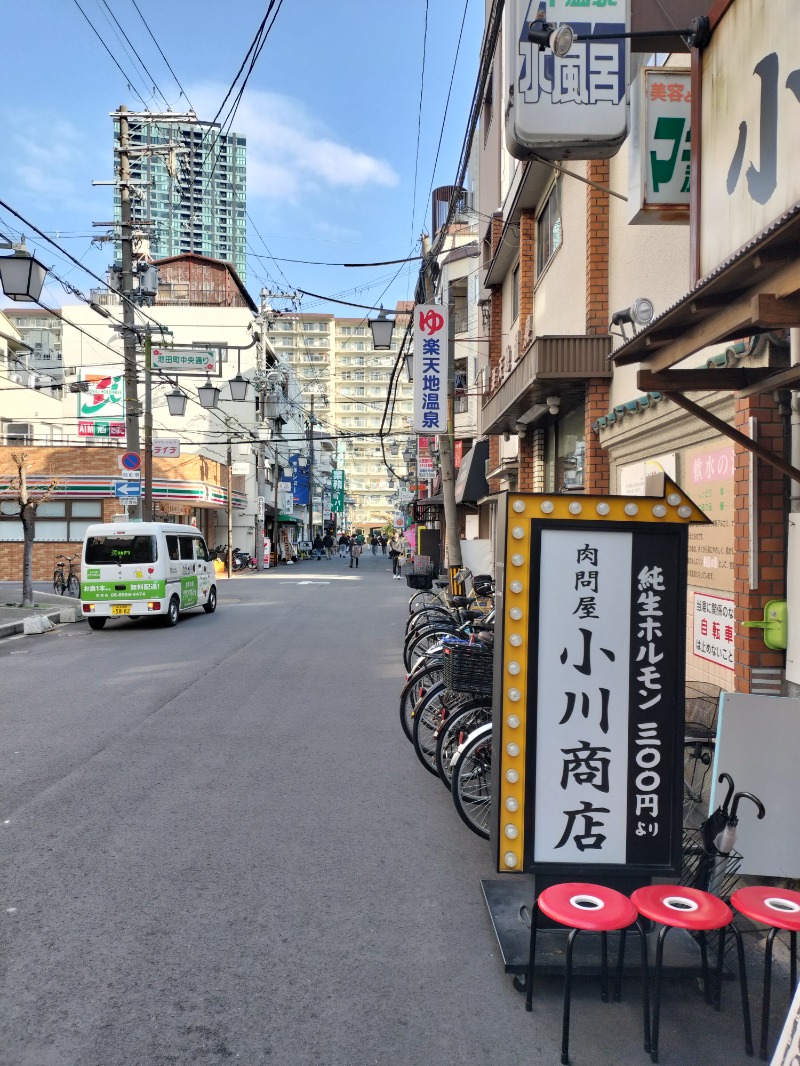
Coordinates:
(66,582)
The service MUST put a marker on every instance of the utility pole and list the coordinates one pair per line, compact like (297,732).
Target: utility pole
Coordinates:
(129,333)
(230,501)
(311,472)
(453,539)
(147,502)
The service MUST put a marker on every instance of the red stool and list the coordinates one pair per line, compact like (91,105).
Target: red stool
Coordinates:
(582,907)
(679,907)
(779,908)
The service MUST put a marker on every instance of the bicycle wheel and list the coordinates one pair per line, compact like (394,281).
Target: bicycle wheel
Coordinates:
(433,709)
(416,644)
(73,587)
(471,783)
(414,689)
(428,616)
(459,726)
(58,582)
(423,598)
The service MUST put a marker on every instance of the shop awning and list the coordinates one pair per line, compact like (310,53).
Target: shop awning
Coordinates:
(471,484)
(269,512)
(755,290)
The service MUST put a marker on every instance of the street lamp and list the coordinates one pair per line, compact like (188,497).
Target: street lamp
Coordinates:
(176,402)
(238,387)
(208,394)
(21,274)
(382,329)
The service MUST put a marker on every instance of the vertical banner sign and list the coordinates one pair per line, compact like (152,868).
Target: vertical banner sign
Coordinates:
(299,481)
(431,332)
(337,491)
(668,100)
(573,106)
(589,693)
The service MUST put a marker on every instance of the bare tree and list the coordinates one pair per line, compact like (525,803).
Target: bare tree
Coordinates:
(28,506)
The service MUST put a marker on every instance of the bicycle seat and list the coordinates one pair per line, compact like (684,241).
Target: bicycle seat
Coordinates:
(461,601)
(441,584)
(471,615)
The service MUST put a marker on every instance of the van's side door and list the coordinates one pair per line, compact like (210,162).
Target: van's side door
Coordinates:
(188,565)
(205,568)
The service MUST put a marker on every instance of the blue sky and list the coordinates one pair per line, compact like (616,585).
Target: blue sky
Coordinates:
(330,113)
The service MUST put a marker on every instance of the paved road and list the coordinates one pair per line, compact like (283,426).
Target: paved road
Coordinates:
(219,847)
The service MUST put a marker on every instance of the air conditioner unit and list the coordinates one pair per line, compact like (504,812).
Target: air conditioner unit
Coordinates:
(18,379)
(528,330)
(17,432)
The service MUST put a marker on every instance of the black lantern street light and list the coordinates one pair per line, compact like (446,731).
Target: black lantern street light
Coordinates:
(382,329)
(21,274)
(208,395)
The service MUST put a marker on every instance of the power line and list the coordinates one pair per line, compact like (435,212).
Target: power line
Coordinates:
(128,80)
(133,49)
(158,46)
(419,122)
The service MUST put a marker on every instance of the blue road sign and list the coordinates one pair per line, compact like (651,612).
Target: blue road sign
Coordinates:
(127,488)
(131,461)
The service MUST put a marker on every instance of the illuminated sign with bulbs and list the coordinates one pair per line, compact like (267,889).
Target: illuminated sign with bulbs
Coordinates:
(589,682)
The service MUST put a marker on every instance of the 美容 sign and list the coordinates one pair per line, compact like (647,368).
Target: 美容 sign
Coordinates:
(430,368)
(589,666)
(573,106)
(659,175)
(183,360)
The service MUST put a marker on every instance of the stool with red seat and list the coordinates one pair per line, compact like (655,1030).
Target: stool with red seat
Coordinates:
(680,907)
(780,909)
(582,907)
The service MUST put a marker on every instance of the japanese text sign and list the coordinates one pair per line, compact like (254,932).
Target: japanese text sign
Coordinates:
(659,176)
(750,125)
(337,491)
(573,106)
(183,360)
(430,368)
(713,637)
(167,448)
(589,669)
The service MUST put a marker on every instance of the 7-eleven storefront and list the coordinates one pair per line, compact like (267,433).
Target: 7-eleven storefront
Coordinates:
(79,486)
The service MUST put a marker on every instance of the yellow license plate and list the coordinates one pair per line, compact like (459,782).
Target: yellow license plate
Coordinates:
(121,608)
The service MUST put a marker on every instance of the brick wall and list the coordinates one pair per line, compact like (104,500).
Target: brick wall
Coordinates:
(598,391)
(71,464)
(770,544)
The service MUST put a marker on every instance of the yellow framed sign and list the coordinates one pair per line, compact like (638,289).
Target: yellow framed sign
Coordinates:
(589,683)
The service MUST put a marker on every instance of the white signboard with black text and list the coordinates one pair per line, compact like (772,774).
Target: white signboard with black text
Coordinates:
(573,106)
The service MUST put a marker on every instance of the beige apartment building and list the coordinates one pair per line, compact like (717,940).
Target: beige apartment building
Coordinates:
(345,382)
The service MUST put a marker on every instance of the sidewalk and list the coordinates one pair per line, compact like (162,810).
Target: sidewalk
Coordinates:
(13,615)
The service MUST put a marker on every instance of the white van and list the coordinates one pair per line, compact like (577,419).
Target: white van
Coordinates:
(145,568)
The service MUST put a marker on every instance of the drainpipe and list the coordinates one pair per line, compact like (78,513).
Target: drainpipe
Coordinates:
(794,358)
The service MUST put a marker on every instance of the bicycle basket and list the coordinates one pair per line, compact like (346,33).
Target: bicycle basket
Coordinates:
(421,582)
(468,668)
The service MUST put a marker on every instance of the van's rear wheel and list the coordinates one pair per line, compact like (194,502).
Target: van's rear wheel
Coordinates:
(171,617)
(211,603)
(96,623)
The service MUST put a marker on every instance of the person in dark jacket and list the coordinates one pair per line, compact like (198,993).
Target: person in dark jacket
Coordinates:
(327,544)
(344,546)
(317,547)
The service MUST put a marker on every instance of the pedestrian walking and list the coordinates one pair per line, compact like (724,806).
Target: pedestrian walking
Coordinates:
(383,540)
(396,555)
(355,551)
(327,543)
(373,542)
(317,547)
(344,546)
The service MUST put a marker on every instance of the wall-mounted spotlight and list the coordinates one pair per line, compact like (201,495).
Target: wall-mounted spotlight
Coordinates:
(640,313)
(558,39)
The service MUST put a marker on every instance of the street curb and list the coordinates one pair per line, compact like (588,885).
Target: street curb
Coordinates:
(10,629)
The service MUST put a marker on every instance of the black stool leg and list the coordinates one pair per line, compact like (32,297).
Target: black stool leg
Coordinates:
(767,993)
(704,960)
(604,966)
(620,964)
(657,992)
(748,1033)
(793,962)
(718,969)
(567,998)
(531,958)
(645,985)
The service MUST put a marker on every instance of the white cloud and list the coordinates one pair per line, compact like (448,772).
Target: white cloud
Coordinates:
(289,152)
